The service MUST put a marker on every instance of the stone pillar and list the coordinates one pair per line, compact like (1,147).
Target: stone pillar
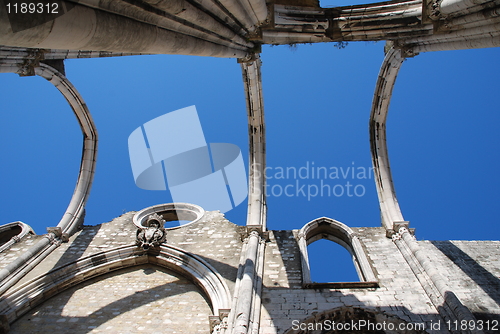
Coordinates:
(246,308)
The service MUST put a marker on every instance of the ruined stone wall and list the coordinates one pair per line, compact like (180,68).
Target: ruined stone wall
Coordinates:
(471,269)
(213,238)
(141,297)
(145,297)
(284,300)
(90,240)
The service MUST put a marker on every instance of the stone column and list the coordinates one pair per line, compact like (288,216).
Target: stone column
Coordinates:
(246,308)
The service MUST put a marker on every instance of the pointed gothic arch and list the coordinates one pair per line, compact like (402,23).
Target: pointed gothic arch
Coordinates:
(190,266)
(327,228)
(12,233)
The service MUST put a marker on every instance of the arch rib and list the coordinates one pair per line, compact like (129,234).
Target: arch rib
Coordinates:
(257,141)
(389,206)
(75,210)
(435,286)
(70,221)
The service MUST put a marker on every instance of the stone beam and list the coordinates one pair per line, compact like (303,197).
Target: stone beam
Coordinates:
(85,28)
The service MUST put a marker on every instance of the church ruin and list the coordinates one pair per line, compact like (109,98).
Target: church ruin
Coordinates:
(210,275)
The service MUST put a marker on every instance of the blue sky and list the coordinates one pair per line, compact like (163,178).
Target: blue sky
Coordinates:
(443,134)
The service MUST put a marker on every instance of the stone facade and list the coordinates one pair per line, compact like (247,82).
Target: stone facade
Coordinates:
(147,295)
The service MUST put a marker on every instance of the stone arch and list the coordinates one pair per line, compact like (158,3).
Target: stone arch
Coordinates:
(342,320)
(188,265)
(13,232)
(142,298)
(392,217)
(75,211)
(327,228)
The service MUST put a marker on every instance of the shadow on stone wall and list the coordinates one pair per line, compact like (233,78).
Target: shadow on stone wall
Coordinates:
(75,251)
(78,246)
(484,279)
(49,316)
(290,253)
(225,270)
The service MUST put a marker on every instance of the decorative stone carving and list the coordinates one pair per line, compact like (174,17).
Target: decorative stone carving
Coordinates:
(434,10)
(57,231)
(153,234)
(220,328)
(218,324)
(30,62)
(254,230)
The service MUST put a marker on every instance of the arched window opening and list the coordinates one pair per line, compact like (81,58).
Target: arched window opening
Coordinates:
(9,233)
(335,252)
(13,232)
(331,262)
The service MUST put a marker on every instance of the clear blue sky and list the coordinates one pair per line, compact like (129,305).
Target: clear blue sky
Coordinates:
(443,134)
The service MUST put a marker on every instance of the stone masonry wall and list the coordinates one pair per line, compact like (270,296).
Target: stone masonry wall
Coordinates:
(154,297)
(13,252)
(472,269)
(140,299)
(103,304)
(282,268)
(90,240)
(399,294)
(213,238)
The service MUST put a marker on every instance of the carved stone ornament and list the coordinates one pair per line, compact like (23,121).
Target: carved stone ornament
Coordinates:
(153,234)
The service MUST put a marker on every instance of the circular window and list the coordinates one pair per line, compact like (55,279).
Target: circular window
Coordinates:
(174,214)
